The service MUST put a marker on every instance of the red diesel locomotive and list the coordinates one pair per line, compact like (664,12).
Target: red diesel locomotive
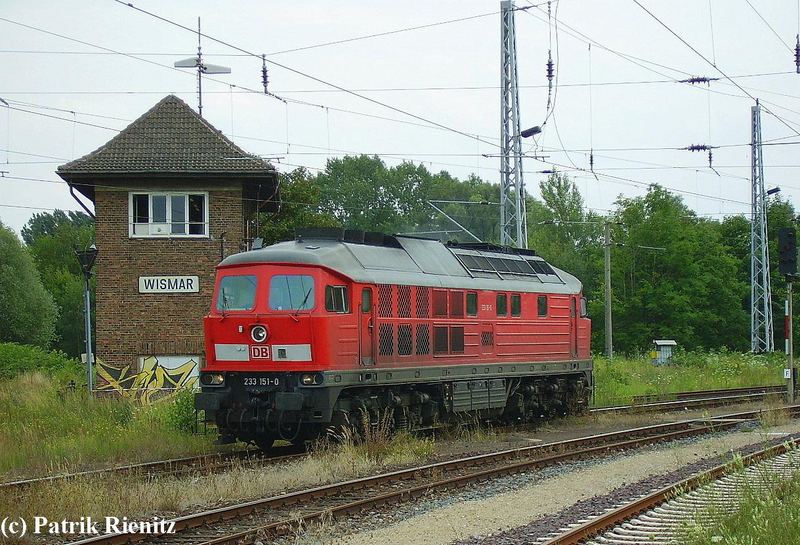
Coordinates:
(338,327)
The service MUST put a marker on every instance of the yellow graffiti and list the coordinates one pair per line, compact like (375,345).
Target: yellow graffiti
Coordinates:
(153,382)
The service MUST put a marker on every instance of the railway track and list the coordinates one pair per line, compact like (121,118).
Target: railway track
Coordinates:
(215,462)
(694,400)
(206,463)
(657,518)
(269,517)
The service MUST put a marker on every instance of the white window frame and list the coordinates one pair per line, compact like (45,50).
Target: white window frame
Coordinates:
(168,224)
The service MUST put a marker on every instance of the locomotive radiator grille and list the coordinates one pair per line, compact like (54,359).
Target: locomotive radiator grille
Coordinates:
(423,339)
(386,339)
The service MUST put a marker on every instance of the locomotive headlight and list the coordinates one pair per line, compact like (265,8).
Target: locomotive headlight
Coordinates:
(309,379)
(259,333)
(212,379)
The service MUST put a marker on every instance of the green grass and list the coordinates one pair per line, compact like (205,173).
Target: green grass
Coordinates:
(764,517)
(619,379)
(45,427)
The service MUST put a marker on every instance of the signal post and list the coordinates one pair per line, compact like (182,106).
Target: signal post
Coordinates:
(787,246)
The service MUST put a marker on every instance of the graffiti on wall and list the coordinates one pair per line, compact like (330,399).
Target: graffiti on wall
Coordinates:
(159,377)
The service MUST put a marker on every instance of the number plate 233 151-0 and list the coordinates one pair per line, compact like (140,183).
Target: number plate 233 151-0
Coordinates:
(261,381)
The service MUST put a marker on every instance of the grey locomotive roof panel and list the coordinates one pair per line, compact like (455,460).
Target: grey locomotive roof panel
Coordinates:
(418,262)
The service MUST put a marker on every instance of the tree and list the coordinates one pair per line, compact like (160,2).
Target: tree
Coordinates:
(299,208)
(27,311)
(52,238)
(46,223)
(688,291)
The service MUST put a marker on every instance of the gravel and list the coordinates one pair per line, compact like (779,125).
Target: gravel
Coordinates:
(552,497)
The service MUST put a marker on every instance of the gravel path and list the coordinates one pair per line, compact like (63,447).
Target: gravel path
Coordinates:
(549,498)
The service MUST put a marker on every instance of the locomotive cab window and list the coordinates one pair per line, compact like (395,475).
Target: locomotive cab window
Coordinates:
(291,292)
(336,299)
(542,305)
(472,303)
(502,304)
(516,304)
(366,300)
(237,292)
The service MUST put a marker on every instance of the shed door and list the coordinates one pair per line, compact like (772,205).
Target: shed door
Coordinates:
(366,326)
(573,326)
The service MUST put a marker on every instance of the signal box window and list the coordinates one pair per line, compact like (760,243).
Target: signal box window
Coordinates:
(472,303)
(237,293)
(168,215)
(291,292)
(336,299)
(542,305)
(516,304)
(366,300)
(502,304)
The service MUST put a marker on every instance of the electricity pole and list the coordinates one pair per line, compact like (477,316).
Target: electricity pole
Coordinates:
(607,267)
(513,220)
(760,290)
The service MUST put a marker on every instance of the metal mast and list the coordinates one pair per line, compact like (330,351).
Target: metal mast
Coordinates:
(513,220)
(761,294)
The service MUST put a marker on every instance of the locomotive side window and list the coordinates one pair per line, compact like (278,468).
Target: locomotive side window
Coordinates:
(502,304)
(440,340)
(472,303)
(542,305)
(366,300)
(237,292)
(516,304)
(291,292)
(440,303)
(336,299)
(456,304)
(584,309)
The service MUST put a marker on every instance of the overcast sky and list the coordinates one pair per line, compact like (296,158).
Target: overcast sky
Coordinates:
(448,74)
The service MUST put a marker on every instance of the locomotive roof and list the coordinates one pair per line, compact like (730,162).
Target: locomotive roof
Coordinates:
(407,260)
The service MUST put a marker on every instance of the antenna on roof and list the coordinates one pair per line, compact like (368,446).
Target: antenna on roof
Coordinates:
(197,62)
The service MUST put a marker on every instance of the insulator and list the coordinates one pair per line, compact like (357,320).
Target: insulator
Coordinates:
(698,147)
(550,70)
(797,54)
(264,75)
(591,160)
(698,79)
(710,159)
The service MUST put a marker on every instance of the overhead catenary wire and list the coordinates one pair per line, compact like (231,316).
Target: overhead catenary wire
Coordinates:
(690,46)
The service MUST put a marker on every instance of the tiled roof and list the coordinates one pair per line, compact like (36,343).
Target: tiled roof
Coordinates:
(170,138)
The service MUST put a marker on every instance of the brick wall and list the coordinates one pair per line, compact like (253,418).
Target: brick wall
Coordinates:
(132,324)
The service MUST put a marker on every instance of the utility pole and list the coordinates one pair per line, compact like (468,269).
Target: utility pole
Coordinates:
(513,219)
(607,267)
(787,265)
(789,375)
(760,291)
(86,258)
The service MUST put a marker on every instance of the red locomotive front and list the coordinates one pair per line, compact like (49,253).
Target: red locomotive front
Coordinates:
(338,327)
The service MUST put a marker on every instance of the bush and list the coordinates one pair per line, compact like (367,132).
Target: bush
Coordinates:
(16,359)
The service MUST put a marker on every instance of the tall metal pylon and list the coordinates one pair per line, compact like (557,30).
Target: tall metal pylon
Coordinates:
(760,292)
(513,220)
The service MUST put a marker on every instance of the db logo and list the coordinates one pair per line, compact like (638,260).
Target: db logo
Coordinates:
(259,352)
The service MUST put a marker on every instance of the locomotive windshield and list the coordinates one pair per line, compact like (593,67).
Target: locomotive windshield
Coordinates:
(237,292)
(291,292)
